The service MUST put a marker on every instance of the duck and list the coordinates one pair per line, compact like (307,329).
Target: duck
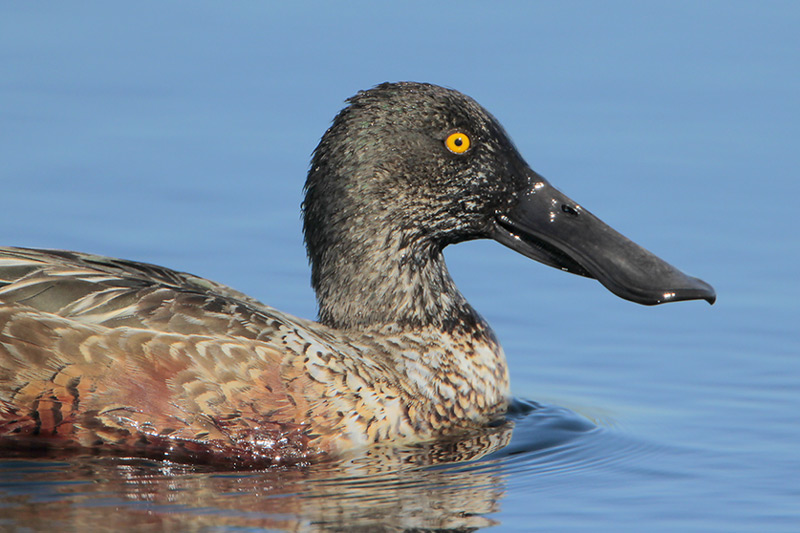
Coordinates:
(111,356)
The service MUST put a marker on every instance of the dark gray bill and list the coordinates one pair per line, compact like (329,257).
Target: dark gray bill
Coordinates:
(547,226)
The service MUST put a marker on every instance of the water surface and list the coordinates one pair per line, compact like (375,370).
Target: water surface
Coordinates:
(182,136)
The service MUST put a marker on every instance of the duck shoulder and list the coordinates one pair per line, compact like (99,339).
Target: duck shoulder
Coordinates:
(93,289)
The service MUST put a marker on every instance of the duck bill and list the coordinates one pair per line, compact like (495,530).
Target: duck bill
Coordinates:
(547,226)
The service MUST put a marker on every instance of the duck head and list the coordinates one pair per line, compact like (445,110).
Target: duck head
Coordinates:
(408,168)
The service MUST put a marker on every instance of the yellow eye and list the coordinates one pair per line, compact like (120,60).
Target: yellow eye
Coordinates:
(457,142)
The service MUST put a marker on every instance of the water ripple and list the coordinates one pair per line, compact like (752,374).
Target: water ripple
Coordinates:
(453,484)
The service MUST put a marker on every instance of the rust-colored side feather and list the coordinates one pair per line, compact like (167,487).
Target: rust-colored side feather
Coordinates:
(104,353)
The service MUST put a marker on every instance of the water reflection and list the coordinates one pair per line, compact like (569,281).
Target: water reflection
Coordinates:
(444,486)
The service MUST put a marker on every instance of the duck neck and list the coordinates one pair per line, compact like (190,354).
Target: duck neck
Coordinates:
(388,279)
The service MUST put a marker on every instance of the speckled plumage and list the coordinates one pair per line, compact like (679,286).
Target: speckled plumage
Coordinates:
(124,357)
(127,357)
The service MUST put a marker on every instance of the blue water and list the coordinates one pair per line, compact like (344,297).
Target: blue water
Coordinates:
(180,134)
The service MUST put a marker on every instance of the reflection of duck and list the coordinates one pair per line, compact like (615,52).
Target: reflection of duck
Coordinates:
(370,489)
(133,358)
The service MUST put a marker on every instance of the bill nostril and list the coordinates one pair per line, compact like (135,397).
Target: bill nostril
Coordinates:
(568,209)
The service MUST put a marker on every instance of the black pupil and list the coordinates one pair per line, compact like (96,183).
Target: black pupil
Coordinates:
(458,141)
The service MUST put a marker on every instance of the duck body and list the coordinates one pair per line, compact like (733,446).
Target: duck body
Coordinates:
(122,357)
(141,359)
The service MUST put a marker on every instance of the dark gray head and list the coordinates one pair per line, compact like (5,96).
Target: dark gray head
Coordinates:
(408,168)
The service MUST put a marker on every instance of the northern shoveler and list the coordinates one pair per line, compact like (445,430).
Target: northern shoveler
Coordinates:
(132,358)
